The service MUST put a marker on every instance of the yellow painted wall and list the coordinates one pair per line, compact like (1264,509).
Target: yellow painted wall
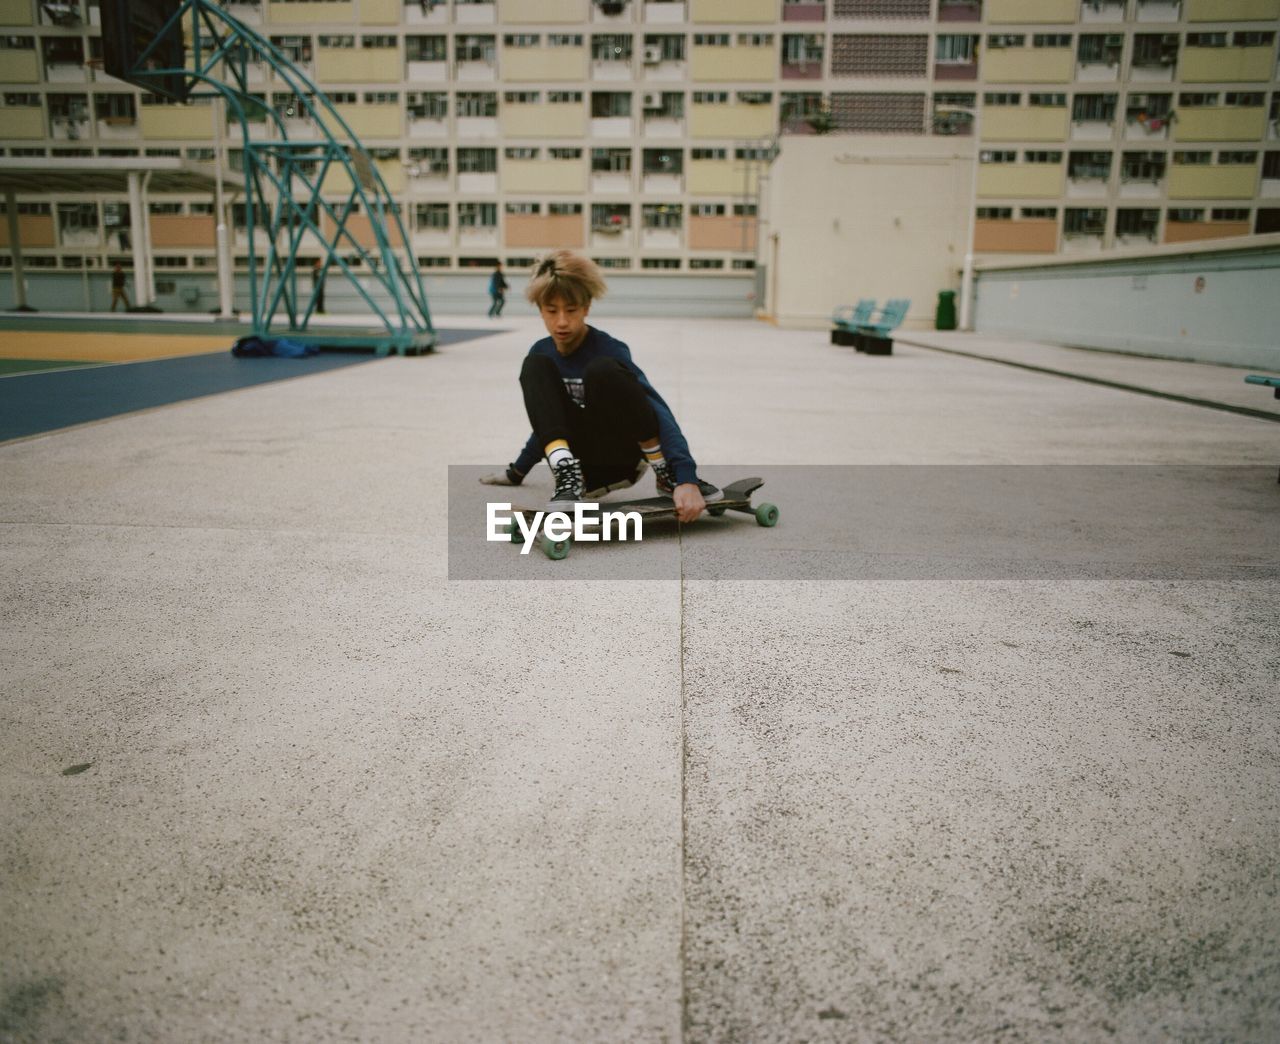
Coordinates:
(730,121)
(175,121)
(1221,124)
(34,230)
(170,231)
(1031,11)
(1015,124)
(734,63)
(358,65)
(380,12)
(392,171)
(1028,64)
(541,12)
(721,233)
(1194,231)
(1032,236)
(719,178)
(310,14)
(544,230)
(20,67)
(16,12)
(1020,180)
(528,64)
(1197,182)
(729,12)
(544,120)
(544,175)
(374,121)
(1226,64)
(1231,10)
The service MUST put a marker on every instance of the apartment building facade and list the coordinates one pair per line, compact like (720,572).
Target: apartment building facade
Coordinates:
(639,130)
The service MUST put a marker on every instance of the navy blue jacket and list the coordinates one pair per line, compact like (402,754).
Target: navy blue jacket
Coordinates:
(599,344)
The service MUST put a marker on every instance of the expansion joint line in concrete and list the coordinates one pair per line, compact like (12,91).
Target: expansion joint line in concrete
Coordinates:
(684,761)
(1189,400)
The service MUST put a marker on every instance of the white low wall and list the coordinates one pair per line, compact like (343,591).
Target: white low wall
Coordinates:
(1208,302)
(454,293)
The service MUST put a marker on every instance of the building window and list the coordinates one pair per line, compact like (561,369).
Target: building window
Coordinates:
(1206,39)
(952,48)
(1143,166)
(1089,166)
(994,213)
(1051,40)
(1084,221)
(1192,159)
(1002,99)
(660,262)
(477,215)
(659,49)
(1186,215)
(611,48)
(1252,38)
(432,106)
(1041,156)
(520,41)
(707,210)
(1047,101)
(564,210)
(477,103)
(708,154)
(705,262)
(1198,99)
(338,43)
(1001,41)
(710,97)
(661,215)
(1237,159)
(1132,221)
(1091,108)
(999,156)
(610,104)
(1039,213)
(432,216)
(611,161)
(1243,99)
(662,161)
(426,48)
(477,161)
(1229,214)
(564,40)
(521,153)
(564,97)
(524,209)
(610,217)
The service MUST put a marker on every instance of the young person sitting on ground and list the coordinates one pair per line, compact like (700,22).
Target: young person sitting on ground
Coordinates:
(595,416)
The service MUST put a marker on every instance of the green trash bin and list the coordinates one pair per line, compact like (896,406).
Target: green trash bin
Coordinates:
(946,317)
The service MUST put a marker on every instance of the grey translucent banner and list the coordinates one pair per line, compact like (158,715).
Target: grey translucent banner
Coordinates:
(910,522)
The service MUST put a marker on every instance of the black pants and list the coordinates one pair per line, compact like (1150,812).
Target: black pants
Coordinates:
(605,435)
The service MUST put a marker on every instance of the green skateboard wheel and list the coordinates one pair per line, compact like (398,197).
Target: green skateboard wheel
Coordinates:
(767,515)
(555,549)
(514,532)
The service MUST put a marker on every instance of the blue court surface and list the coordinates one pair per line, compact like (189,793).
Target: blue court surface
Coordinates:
(38,402)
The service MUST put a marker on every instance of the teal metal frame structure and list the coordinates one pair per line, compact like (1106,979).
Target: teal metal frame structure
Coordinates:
(283,178)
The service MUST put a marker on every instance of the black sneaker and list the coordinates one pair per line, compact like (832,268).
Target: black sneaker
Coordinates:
(666,485)
(569,485)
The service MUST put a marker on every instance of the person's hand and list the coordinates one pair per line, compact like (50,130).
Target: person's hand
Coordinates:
(689,502)
(502,478)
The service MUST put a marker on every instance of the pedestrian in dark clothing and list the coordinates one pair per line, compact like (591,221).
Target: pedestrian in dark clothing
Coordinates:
(497,292)
(117,288)
(317,284)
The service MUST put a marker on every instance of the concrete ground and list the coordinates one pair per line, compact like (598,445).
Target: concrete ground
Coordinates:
(267,773)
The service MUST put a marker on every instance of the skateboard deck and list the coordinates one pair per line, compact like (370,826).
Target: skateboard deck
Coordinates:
(737,497)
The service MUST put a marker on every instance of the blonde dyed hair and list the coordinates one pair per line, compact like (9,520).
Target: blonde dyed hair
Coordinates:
(566,275)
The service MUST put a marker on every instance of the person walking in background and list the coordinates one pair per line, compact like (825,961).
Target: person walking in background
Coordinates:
(117,287)
(497,291)
(317,284)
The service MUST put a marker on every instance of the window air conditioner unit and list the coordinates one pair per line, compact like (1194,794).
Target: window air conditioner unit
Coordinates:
(653,99)
(652,55)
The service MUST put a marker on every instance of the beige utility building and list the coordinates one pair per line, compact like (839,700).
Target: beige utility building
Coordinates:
(643,131)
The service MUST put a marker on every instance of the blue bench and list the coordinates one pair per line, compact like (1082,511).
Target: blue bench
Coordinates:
(1266,382)
(873,337)
(846,319)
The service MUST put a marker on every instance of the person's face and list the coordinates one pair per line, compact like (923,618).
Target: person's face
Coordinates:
(566,323)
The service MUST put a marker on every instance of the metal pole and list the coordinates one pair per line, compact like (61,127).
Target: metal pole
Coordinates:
(15,248)
(966,276)
(143,250)
(225,288)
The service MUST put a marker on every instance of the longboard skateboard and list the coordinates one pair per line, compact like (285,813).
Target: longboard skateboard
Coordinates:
(737,497)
